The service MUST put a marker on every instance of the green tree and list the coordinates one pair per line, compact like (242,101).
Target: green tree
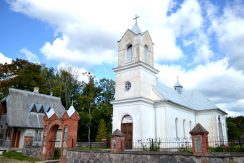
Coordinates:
(101,133)
(235,127)
(233,131)
(21,74)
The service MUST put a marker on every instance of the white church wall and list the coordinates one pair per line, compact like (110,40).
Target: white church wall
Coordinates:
(161,120)
(166,115)
(184,116)
(143,119)
(208,120)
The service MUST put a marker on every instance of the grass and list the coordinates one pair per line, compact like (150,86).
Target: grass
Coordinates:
(18,156)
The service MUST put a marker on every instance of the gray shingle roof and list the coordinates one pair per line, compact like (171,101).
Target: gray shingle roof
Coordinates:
(20,104)
(190,99)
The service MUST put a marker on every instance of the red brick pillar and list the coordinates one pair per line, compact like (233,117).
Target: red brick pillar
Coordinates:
(117,141)
(199,140)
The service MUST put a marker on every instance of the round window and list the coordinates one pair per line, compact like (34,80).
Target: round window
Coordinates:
(127,85)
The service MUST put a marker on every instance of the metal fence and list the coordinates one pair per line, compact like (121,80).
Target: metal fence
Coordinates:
(215,144)
(164,144)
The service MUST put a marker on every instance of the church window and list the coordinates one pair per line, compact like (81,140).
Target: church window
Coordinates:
(176,127)
(129,54)
(184,131)
(127,85)
(146,54)
(127,119)
(38,135)
(190,125)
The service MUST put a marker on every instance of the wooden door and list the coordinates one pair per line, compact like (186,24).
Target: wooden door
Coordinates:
(17,139)
(127,130)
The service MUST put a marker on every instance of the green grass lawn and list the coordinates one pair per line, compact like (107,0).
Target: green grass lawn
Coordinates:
(18,156)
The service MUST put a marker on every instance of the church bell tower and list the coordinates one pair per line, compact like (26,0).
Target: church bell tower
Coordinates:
(135,74)
(133,107)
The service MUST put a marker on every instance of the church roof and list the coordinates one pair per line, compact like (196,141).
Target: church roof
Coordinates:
(136,29)
(190,99)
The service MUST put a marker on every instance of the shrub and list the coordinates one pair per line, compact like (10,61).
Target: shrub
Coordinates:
(57,153)
(154,144)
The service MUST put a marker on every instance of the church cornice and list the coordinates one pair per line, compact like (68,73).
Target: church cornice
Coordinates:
(136,64)
(135,99)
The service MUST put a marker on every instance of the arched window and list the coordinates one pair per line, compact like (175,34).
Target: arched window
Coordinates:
(127,119)
(184,131)
(176,127)
(129,54)
(146,55)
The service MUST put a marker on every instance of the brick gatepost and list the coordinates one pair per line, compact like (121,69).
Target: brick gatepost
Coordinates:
(68,123)
(117,142)
(199,140)
(70,138)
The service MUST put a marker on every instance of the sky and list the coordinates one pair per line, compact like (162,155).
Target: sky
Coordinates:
(201,42)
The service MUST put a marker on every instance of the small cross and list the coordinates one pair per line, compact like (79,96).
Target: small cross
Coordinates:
(177,78)
(136,17)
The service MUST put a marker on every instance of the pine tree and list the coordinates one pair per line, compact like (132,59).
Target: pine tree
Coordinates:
(101,133)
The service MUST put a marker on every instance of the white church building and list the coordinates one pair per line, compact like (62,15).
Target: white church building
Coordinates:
(145,108)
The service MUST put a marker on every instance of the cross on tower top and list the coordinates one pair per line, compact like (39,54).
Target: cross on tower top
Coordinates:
(136,17)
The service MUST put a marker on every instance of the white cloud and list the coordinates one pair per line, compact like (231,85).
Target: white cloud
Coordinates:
(29,55)
(188,22)
(230,32)
(59,50)
(90,29)
(216,80)
(76,71)
(187,19)
(4,59)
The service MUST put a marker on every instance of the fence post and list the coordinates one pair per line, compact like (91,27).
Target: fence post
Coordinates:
(117,142)
(199,140)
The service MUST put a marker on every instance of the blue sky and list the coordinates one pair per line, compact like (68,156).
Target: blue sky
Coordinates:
(199,41)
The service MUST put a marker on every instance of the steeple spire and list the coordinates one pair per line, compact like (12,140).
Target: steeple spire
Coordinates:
(178,87)
(136,29)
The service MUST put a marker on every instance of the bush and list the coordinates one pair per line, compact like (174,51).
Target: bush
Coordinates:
(226,148)
(57,153)
(154,145)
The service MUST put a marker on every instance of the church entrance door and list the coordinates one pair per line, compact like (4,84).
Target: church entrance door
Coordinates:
(127,130)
